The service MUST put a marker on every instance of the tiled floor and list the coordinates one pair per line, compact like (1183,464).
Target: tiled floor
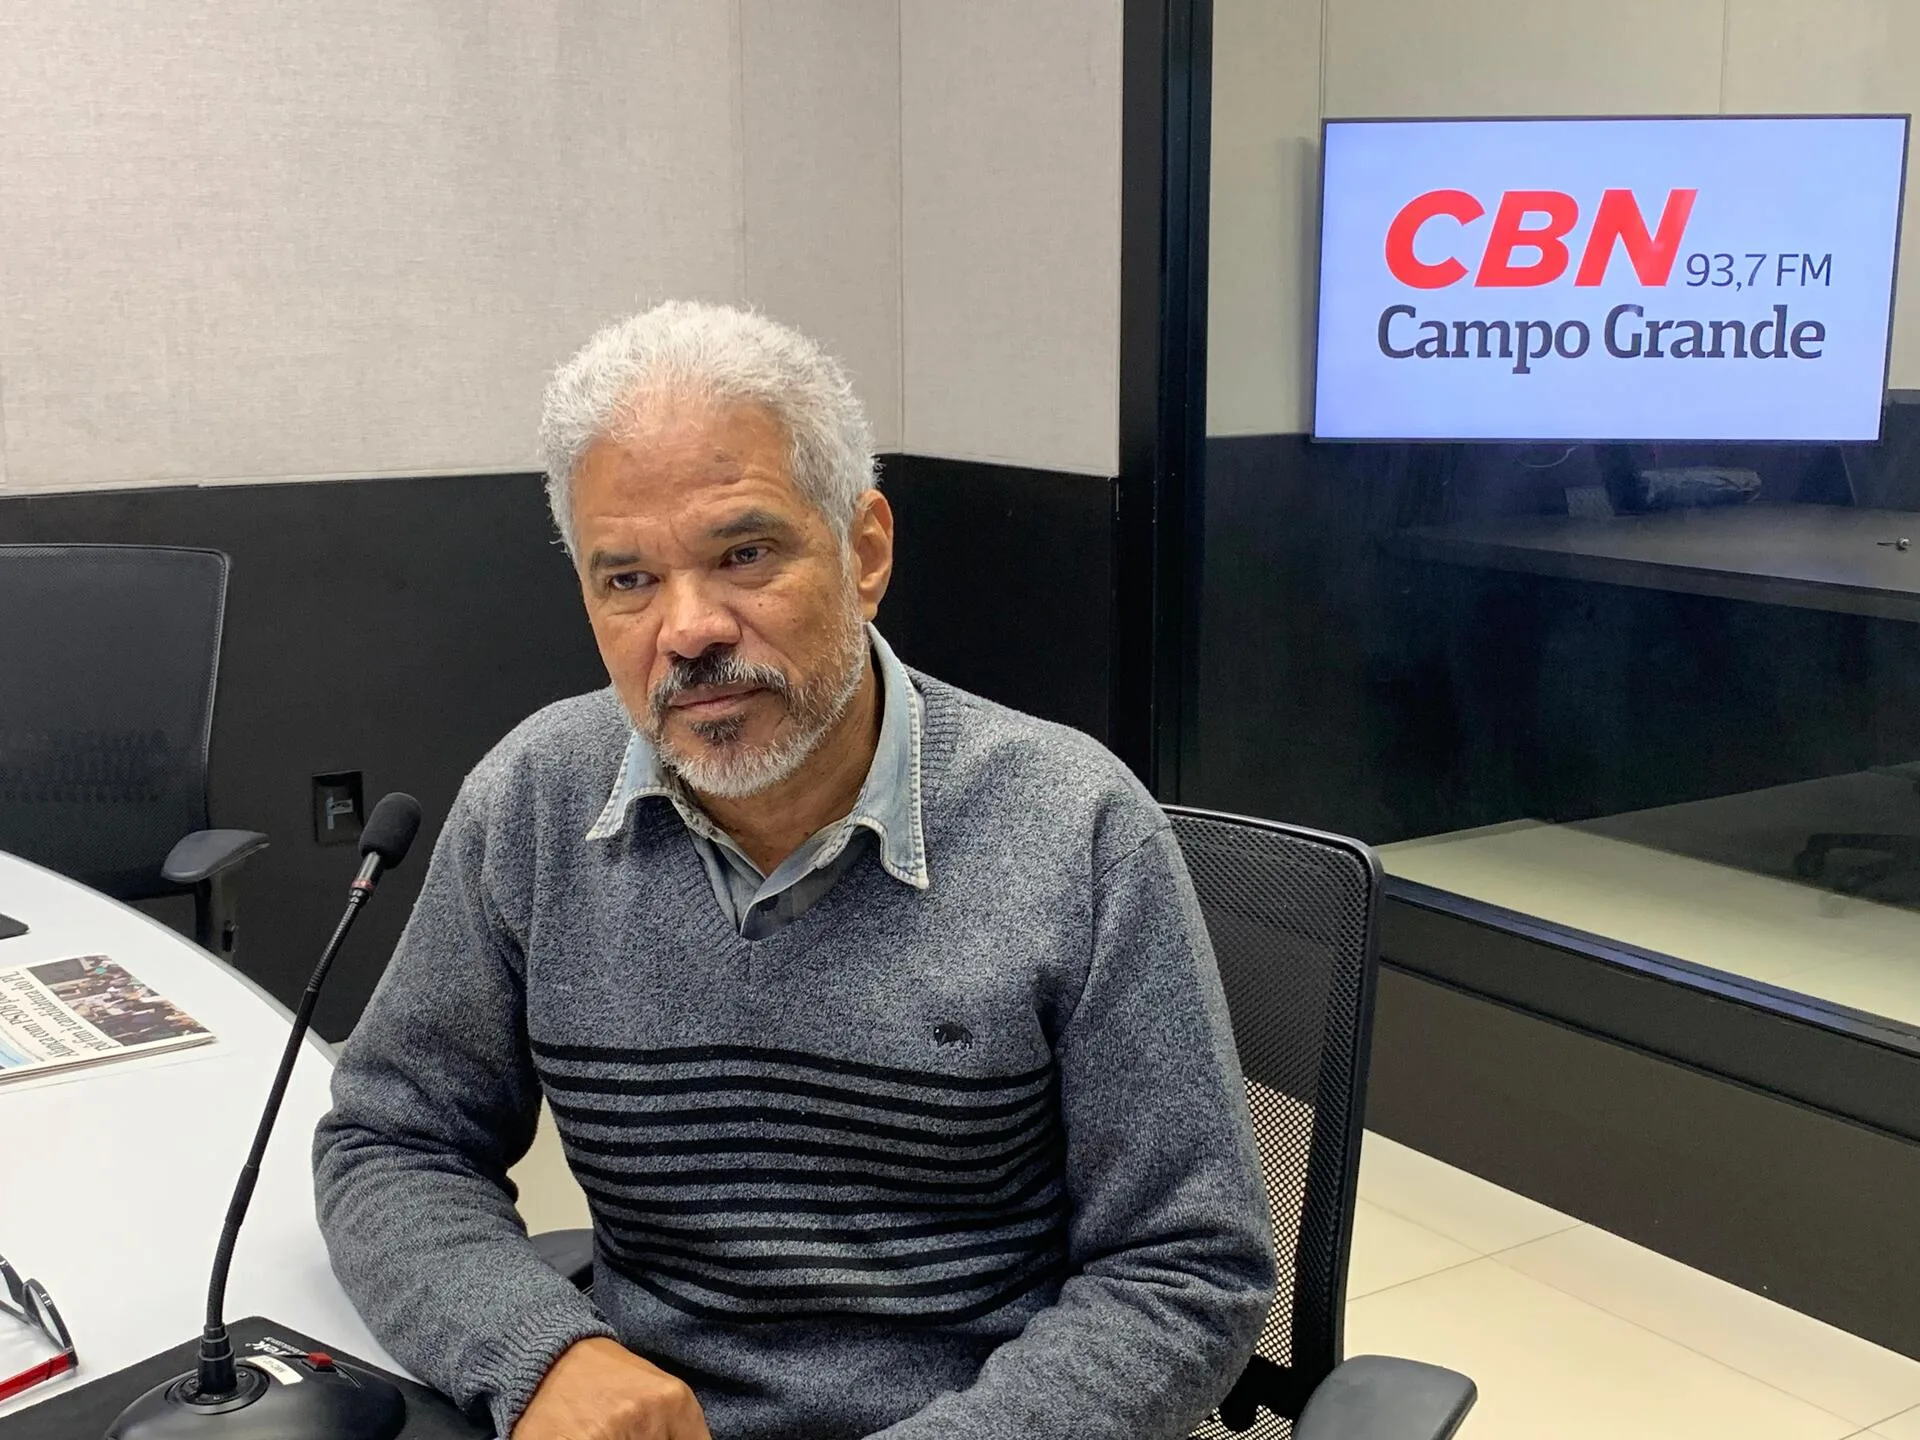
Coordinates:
(1570,1332)
(549,1198)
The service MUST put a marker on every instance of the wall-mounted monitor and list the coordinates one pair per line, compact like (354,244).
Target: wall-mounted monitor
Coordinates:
(1714,278)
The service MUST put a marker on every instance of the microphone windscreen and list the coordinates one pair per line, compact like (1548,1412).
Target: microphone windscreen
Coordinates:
(389,831)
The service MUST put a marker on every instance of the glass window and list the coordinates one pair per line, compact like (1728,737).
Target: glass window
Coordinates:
(1668,694)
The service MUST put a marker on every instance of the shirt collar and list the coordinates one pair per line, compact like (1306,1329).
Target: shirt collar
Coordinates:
(889,803)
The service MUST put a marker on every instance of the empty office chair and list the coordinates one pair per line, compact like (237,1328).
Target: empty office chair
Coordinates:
(109,657)
(1292,916)
(1899,854)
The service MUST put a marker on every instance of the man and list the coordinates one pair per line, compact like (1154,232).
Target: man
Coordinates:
(879,1022)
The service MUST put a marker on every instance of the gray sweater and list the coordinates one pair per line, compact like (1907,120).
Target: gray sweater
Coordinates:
(946,1164)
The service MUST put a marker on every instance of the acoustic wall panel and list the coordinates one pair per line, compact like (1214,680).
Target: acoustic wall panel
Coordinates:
(1838,56)
(257,239)
(820,105)
(249,240)
(1266,172)
(1520,57)
(1010,142)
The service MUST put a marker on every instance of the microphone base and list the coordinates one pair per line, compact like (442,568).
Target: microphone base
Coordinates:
(317,1404)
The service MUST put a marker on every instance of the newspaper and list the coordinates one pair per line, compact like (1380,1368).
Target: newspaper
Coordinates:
(63,1014)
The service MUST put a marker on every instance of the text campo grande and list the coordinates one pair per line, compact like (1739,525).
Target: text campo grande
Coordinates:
(1626,334)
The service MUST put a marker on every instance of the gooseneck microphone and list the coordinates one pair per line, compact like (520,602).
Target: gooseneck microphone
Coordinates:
(217,1399)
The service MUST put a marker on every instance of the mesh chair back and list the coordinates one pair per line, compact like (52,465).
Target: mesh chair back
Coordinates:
(1292,917)
(108,660)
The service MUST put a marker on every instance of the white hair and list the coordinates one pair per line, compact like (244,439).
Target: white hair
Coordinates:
(719,355)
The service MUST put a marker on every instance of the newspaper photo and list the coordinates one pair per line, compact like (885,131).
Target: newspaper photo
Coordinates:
(63,1014)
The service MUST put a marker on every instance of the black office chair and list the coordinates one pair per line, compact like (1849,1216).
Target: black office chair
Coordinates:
(1292,916)
(109,658)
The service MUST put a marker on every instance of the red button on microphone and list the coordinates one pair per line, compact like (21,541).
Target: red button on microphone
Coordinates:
(320,1360)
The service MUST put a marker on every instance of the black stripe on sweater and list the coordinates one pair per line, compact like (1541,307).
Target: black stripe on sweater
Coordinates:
(647,1149)
(730,1084)
(798,1059)
(946,1186)
(799,1119)
(1051,1209)
(953,1315)
(617,1200)
(795,1299)
(857,1263)
(761,1177)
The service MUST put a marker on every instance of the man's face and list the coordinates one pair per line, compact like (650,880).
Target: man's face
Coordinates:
(728,613)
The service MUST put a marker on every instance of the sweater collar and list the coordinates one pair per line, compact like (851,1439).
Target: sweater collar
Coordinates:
(889,802)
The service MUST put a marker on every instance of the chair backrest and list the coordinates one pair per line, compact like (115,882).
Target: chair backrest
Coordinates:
(1293,918)
(109,656)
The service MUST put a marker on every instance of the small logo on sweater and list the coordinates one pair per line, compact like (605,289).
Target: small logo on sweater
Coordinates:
(948,1033)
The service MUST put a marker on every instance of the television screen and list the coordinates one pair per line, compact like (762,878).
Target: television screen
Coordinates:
(1720,278)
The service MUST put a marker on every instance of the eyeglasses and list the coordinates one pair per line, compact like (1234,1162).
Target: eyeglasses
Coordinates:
(28,1302)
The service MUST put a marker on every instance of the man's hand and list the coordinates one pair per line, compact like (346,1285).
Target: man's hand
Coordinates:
(599,1391)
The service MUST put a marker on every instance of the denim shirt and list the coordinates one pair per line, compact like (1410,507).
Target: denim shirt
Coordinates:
(888,808)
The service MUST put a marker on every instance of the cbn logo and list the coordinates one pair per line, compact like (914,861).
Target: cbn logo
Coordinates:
(1540,221)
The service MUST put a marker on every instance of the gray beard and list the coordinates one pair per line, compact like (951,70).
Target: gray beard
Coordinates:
(724,768)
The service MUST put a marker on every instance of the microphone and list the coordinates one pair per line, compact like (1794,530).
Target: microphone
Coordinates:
(242,1401)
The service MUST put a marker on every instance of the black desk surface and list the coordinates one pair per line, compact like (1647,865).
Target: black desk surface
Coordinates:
(84,1412)
(1819,557)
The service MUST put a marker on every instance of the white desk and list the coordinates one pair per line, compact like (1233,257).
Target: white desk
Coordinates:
(114,1182)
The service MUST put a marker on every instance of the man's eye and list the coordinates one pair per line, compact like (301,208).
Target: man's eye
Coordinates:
(746,554)
(627,580)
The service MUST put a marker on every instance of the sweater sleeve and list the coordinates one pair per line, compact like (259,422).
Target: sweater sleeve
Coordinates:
(1171,1265)
(434,1098)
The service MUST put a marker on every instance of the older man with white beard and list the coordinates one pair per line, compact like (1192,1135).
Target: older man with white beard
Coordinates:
(879,1022)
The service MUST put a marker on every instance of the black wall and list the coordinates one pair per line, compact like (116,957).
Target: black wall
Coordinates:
(1003,583)
(1805,1208)
(1341,683)
(401,627)
(1390,698)
(396,627)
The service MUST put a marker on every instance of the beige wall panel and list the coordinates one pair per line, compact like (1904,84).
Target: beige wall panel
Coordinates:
(1838,56)
(1010,141)
(1522,57)
(274,239)
(1266,147)
(820,98)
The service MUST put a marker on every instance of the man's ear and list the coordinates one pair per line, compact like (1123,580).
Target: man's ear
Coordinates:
(870,544)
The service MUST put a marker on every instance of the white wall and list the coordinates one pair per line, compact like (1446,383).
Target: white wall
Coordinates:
(1839,55)
(820,97)
(1266,163)
(249,240)
(1010,143)
(1280,65)
(260,240)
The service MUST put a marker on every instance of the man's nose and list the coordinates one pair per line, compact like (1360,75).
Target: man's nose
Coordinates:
(694,619)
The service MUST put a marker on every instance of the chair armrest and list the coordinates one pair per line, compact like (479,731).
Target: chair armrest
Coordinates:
(570,1252)
(206,853)
(1375,1397)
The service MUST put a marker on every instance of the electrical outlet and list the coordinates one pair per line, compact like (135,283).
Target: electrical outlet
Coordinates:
(339,808)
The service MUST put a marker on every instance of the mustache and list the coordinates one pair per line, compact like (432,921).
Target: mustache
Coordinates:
(713,669)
